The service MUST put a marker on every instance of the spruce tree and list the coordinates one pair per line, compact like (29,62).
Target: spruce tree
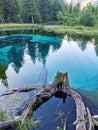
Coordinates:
(10,10)
(31,13)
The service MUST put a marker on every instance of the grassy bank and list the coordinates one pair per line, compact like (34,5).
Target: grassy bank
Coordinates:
(18,26)
(81,30)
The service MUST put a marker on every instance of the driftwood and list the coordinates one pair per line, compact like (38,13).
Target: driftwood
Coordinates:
(84,119)
(33,104)
(80,109)
(7,124)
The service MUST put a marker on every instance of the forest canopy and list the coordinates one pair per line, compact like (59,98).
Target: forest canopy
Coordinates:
(47,11)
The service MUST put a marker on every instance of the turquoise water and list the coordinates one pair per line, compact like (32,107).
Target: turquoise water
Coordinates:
(34,59)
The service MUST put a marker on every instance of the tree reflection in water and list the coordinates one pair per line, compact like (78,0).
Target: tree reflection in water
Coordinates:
(13,49)
(18,44)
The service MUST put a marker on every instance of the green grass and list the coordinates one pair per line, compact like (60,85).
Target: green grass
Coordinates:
(58,29)
(2,116)
(81,30)
(16,26)
(29,123)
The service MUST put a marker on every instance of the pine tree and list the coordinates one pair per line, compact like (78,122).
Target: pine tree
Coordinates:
(57,5)
(10,10)
(44,8)
(31,13)
(1,12)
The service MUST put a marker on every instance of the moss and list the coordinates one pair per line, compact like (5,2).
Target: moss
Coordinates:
(59,128)
(2,116)
(59,80)
(29,123)
(40,100)
(44,86)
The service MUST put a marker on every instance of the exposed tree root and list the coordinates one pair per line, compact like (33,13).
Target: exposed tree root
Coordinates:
(80,109)
(84,119)
(32,105)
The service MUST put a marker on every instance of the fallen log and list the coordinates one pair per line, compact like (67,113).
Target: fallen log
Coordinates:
(84,120)
(34,102)
(80,109)
(7,124)
(41,97)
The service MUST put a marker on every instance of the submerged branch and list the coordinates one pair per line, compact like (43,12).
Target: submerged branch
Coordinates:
(25,89)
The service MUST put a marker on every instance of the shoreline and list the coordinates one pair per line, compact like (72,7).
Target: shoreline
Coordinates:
(55,29)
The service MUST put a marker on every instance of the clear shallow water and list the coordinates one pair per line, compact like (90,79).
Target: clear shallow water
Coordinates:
(27,59)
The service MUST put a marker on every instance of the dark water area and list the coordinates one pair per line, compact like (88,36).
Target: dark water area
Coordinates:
(54,113)
(33,57)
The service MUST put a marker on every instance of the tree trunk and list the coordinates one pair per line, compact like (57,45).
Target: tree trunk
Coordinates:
(32,19)
(84,119)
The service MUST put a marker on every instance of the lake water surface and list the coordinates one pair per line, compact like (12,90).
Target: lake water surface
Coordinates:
(24,58)
(29,59)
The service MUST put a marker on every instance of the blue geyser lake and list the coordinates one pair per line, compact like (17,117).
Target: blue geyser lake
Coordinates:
(24,56)
(29,59)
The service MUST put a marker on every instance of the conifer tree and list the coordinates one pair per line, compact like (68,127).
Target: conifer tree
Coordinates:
(10,10)
(30,13)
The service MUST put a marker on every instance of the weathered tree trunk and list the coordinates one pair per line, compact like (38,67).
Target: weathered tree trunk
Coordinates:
(80,109)
(84,120)
(32,19)
(1,20)
(11,123)
(33,104)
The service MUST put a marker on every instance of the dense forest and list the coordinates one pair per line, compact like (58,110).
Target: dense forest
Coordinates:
(47,12)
